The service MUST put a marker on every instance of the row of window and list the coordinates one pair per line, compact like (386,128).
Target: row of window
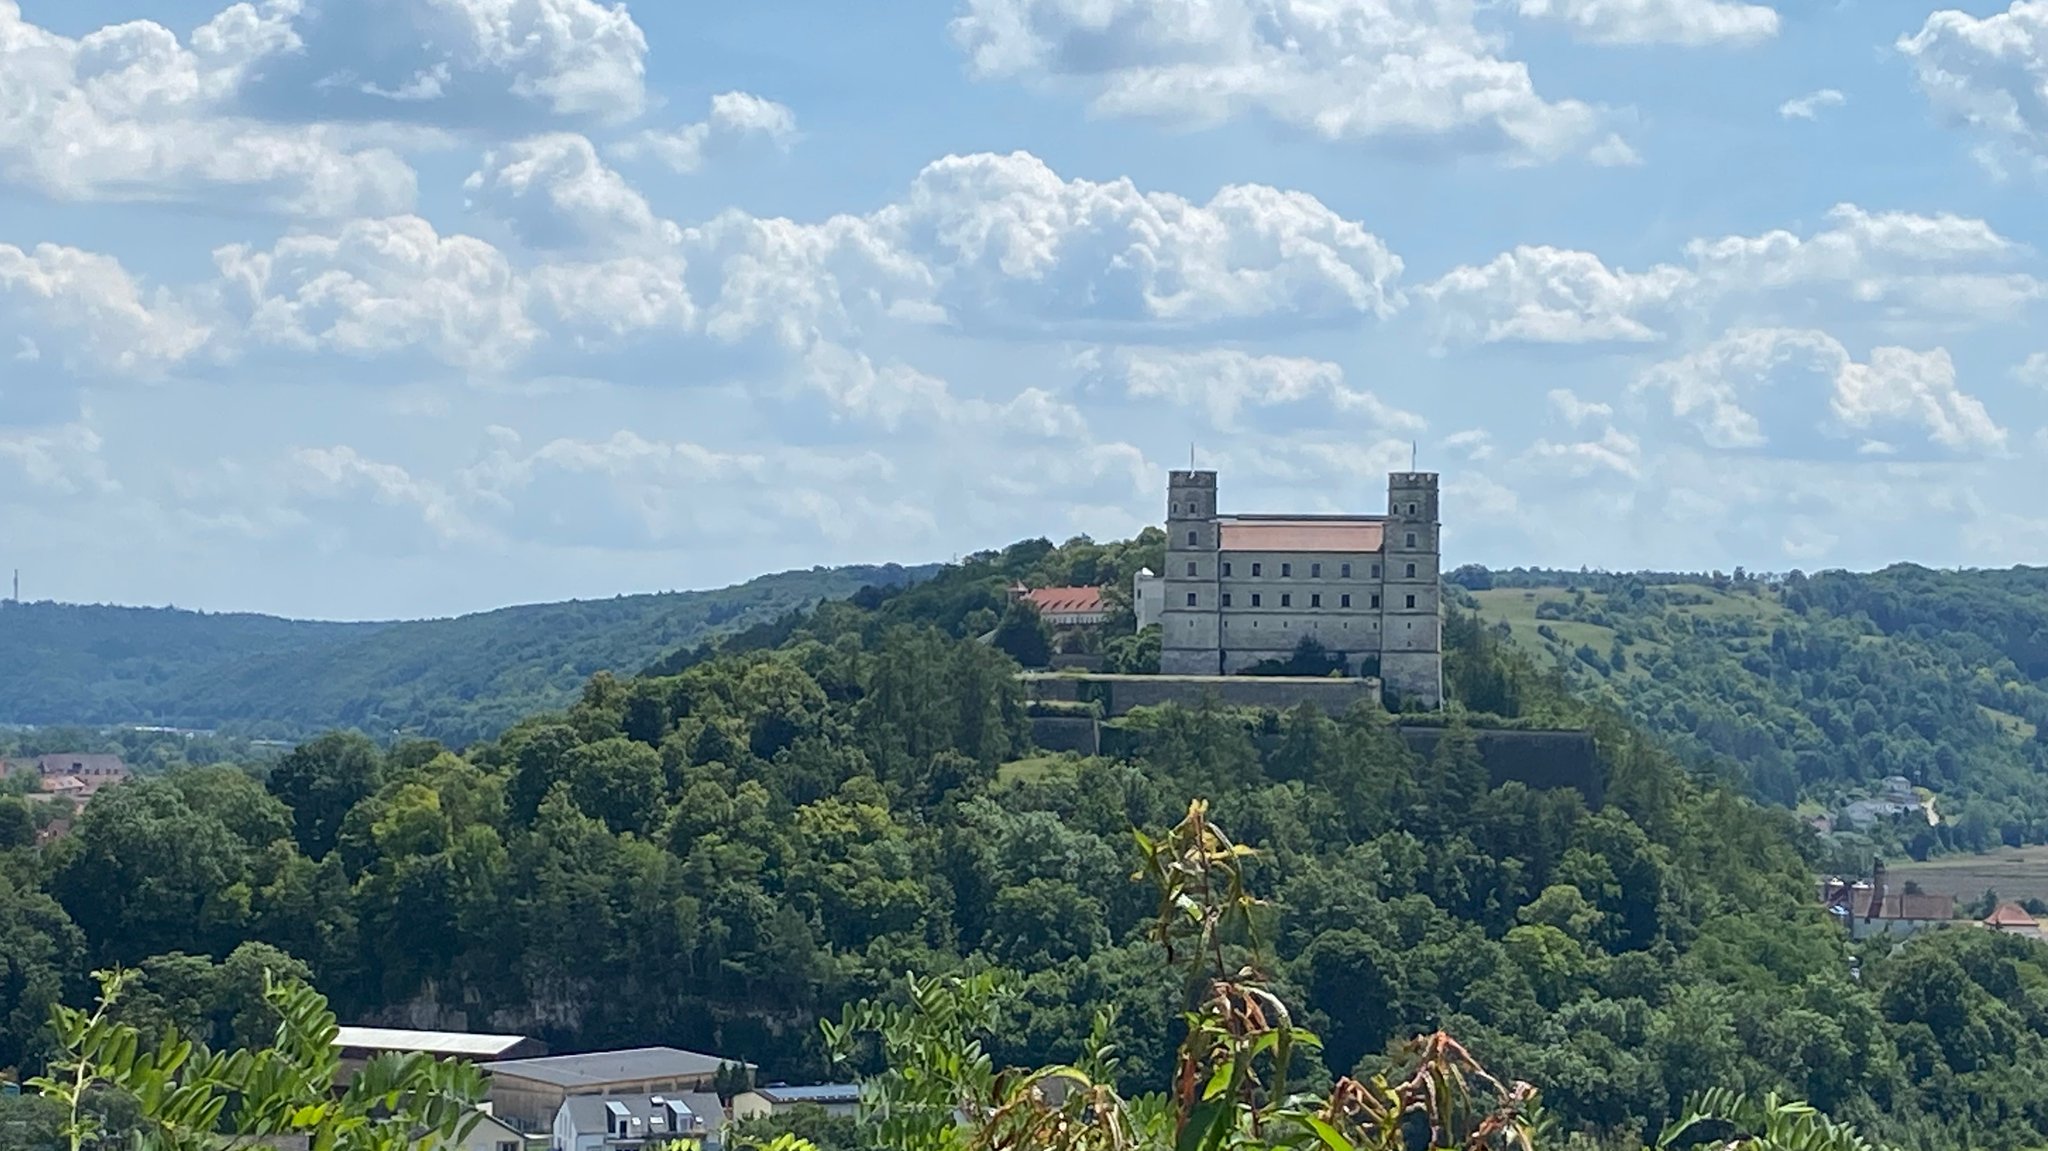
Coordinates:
(1315,599)
(1195,538)
(1315,571)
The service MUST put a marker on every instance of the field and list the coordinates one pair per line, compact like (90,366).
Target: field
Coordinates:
(2014,873)
(1517,607)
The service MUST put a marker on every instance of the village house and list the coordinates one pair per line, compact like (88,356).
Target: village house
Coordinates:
(2012,919)
(834,1098)
(77,776)
(610,1122)
(1868,908)
(1066,606)
(529,1093)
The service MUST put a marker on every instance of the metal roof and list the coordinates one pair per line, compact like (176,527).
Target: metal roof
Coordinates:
(817,1093)
(596,1069)
(431,1042)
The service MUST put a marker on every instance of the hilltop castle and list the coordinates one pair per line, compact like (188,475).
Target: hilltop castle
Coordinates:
(1240,589)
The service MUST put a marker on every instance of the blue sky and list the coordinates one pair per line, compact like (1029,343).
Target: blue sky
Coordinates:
(408,307)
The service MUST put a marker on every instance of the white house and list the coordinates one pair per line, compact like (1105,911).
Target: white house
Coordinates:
(615,1122)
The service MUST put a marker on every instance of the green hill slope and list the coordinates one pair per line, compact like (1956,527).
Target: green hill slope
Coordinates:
(452,679)
(1813,689)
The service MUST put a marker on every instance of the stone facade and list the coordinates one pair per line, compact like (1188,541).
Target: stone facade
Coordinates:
(1240,589)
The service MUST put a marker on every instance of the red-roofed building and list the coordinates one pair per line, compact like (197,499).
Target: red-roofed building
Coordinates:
(1067,606)
(77,776)
(2013,919)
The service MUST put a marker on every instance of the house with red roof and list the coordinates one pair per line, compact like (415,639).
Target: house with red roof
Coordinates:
(2013,919)
(1067,606)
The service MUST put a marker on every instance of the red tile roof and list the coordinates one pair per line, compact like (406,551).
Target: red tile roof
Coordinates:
(2010,915)
(1065,600)
(1302,535)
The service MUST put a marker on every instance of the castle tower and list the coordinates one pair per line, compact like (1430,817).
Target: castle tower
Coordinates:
(1411,658)
(1190,623)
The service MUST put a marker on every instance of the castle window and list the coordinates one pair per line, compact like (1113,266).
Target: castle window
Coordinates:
(1344,601)
(1191,568)
(1315,601)
(1411,509)
(1226,567)
(1191,599)
(1191,539)
(1226,599)
(1286,600)
(1345,571)
(1255,602)
(1315,571)
(1375,601)
(1411,571)
(1375,571)
(1411,601)
(1286,570)
(1173,509)
(1411,539)
(1256,567)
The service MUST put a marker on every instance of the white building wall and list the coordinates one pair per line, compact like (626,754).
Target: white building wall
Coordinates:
(1148,597)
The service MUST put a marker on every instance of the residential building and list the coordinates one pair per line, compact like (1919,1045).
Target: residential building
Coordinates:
(835,1098)
(2013,919)
(490,1134)
(527,1093)
(359,1044)
(1868,907)
(604,1122)
(1243,589)
(76,776)
(1066,606)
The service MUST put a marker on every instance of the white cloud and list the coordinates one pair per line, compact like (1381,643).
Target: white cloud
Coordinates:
(128,112)
(1988,73)
(1686,22)
(1576,411)
(1403,70)
(91,313)
(332,472)
(1905,263)
(1808,107)
(574,57)
(2033,370)
(1475,443)
(57,461)
(557,194)
(1007,236)
(1615,451)
(1895,387)
(735,116)
(1221,382)
(1546,295)
(1901,267)
(376,287)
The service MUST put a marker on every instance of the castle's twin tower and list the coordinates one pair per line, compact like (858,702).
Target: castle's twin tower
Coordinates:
(1240,589)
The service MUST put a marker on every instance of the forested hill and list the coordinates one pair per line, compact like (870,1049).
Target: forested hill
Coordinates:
(1809,690)
(454,679)
(721,857)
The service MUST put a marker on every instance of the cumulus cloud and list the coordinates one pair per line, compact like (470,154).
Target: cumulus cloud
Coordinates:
(1007,235)
(735,117)
(465,61)
(376,287)
(1988,73)
(2033,370)
(1614,451)
(556,193)
(1545,295)
(1576,411)
(1400,70)
(1808,107)
(1898,266)
(1221,382)
(86,310)
(60,461)
(129,112)
(1686,22)
(1715,388)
